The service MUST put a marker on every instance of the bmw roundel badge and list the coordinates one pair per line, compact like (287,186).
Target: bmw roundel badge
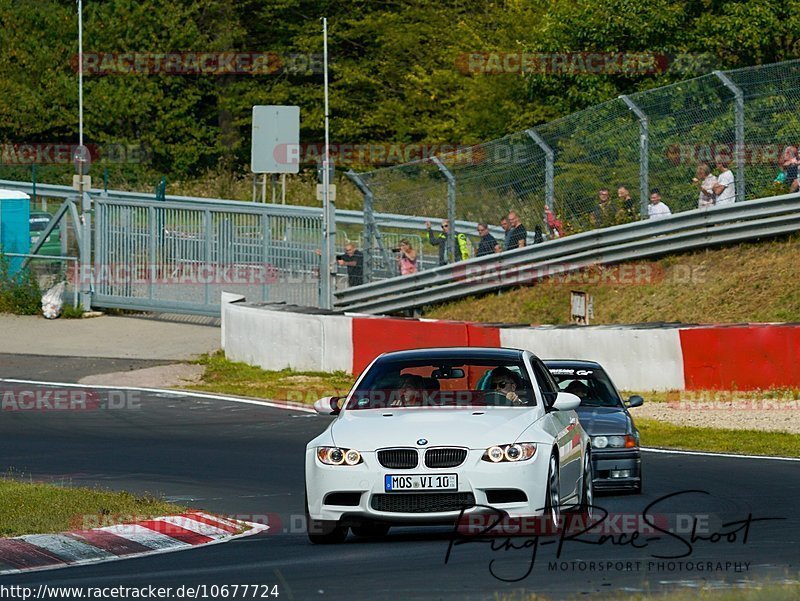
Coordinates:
(422,441)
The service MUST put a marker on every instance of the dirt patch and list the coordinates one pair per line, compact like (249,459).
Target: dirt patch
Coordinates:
(175,375)
(763,415)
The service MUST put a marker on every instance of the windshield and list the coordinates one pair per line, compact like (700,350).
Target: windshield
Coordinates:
(422,383)
(37,224)
(592,386)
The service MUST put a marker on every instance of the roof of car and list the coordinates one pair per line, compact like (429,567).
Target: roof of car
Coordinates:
(572,363)
(457,352)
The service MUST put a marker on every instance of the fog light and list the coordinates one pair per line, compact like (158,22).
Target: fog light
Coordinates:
(620,473)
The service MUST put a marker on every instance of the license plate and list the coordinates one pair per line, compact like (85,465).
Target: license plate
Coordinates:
(414,482)
(34,239)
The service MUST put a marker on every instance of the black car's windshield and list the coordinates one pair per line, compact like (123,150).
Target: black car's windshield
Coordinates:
(591,385)
(443,383)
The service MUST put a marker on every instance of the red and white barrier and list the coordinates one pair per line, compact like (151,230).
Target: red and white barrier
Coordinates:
(743,357)
(145,537)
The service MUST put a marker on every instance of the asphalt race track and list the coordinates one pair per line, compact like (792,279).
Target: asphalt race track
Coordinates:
(247,461)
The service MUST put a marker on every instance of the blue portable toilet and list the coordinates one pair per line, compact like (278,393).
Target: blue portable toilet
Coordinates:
(15,210)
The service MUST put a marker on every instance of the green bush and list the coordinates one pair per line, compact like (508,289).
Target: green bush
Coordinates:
(19,293)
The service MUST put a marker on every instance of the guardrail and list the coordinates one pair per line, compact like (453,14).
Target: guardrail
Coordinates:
(688,230)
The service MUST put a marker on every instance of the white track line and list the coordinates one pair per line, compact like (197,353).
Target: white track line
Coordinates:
(184,393)
(305,409)
(707,454)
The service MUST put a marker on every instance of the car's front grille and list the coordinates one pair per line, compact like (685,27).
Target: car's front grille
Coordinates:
(398,459)
(422,503)
(445,457)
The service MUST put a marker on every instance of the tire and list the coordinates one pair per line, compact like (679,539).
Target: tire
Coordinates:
(587,489)
(324,532)
(553,520)
(370,530)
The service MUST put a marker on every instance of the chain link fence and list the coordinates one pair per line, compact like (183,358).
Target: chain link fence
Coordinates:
(652,139)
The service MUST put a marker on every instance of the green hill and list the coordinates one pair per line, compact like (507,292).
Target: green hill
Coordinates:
(756,282)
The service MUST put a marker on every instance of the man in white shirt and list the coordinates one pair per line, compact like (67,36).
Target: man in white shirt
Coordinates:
(657,209)
(725,189)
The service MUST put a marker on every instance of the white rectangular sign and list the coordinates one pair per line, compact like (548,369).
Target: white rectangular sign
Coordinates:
(275,144)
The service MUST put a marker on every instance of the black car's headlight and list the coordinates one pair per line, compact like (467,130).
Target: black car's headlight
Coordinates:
(614,442)
(337,456)
(519,451)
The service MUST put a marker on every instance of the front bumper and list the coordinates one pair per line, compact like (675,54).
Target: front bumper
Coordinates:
(480,483)
(616,469)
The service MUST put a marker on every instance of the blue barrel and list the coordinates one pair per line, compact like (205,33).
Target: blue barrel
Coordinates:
(15,210)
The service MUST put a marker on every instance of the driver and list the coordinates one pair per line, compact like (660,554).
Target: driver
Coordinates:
(579,389)
(506,382)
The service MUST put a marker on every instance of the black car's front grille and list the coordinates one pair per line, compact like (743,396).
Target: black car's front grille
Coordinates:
(445,457)
(423,503)
(398,459)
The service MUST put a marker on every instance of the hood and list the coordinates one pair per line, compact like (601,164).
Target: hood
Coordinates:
(368,430)
(604,420)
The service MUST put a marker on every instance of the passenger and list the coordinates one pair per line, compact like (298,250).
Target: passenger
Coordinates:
(579,389)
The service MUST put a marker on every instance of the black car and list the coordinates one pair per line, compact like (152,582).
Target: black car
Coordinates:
(616,457)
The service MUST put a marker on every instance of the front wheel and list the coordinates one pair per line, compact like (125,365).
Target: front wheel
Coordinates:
(552,506)
(587,492)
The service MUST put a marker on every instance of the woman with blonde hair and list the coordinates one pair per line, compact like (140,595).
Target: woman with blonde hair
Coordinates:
(407,258)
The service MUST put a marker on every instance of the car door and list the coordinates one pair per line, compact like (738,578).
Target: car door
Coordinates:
(566,425)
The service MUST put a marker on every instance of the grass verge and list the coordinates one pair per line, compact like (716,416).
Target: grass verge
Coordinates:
(34,508)
(656,433)
(759,592)
(230,377)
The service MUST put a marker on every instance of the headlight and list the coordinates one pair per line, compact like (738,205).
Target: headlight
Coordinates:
(337,456)
(614,442)
(521,451)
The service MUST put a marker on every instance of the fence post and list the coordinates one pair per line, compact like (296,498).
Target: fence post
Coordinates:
(644,154)
(738,109)
(370,230)
(451,209)
(549,168)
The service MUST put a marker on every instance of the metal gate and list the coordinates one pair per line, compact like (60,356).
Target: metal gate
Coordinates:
(181,255)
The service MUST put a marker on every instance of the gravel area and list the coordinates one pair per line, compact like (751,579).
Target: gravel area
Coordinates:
(175,375)
(752,414)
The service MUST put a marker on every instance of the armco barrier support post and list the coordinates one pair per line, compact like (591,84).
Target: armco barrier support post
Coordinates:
(738,113)
(452,244)
(549,167)
(369,223)
(644,151)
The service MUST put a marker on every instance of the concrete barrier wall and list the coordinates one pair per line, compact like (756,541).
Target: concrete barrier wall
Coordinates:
(744,357)
(646,359)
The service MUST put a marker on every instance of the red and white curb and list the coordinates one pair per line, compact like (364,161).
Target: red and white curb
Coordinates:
(147,537)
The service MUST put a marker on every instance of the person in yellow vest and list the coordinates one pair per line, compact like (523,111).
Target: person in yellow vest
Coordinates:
(440,240)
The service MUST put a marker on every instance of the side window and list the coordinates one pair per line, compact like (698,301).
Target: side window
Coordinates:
(545,382)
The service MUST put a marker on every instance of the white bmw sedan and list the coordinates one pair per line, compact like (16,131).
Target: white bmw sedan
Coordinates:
(432,436)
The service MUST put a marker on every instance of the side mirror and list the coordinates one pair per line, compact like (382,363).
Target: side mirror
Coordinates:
(329,405)
(634,401)
(566,401)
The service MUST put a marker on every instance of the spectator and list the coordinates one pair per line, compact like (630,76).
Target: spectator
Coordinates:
(788,164)
(353,259)
(657,209)
(507,237)
(725,189)
(706,181)
(628,204)
(538,236)
(440,240)
(553,224)
(487,243)
(406,258)
(518,237)
(605,213)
